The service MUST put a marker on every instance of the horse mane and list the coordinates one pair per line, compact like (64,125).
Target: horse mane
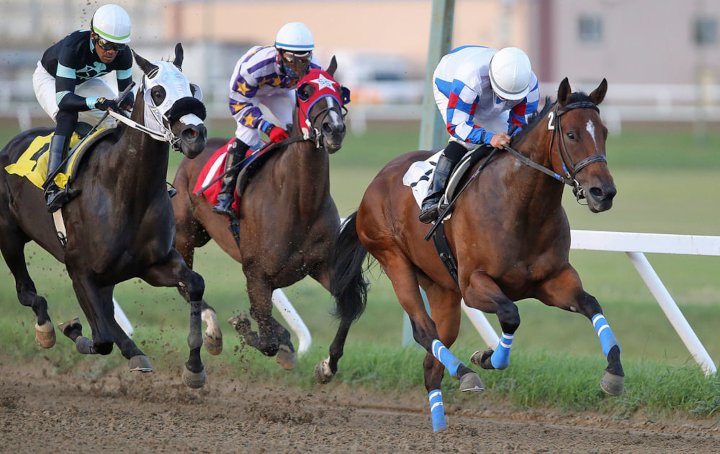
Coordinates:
(538,115)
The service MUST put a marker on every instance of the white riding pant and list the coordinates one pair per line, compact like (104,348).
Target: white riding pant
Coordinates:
(277,108)
(44,86)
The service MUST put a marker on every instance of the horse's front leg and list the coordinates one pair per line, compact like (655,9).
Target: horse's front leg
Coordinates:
(565,291)
(272,338)
(96,302)
(483,293)
(174,272)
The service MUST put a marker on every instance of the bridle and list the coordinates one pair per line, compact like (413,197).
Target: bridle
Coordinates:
(569,168)
(162,131)
(332,104)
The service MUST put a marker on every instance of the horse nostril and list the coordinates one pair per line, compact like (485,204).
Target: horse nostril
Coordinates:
(190,134)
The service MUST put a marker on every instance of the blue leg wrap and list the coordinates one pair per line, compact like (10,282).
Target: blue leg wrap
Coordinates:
(500,358)
(447,359)
(437,410)
(605,334)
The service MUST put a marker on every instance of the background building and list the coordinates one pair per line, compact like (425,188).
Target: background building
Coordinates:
(661,57)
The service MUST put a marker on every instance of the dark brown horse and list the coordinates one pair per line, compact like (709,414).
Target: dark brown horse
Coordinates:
(508,232)
(121,225)
(287,221)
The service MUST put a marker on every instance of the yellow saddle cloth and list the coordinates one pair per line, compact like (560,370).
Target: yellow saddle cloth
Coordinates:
(33,163)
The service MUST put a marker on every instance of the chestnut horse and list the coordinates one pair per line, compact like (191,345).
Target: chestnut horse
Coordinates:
(288,222)
(121,224)
(508,232)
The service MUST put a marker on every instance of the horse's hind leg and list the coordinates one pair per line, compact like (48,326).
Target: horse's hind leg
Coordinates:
(12,245)
(189,235)
(565,291)
(327,368)
(445,309)
(402,275)
(171,273)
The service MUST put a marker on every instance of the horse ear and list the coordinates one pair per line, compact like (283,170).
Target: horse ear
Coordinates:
(598,94)
(145,65)
(332,66)
(179,55)
(564,92)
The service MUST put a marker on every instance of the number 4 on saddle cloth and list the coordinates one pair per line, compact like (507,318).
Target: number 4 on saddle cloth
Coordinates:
(33,162)
(209,182)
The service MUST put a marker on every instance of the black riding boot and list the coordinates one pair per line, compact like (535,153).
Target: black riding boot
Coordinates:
(430,209)
(54,196)
(235,153)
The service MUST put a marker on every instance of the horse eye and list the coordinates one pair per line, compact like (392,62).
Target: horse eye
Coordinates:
(158,95)
(571,135)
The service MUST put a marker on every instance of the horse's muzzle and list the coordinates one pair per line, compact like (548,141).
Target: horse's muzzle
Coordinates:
(600,198)
(193,139)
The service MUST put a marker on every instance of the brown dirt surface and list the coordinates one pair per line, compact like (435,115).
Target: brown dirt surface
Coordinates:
(43,411)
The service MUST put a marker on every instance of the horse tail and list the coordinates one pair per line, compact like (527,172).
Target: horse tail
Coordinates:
(347,284)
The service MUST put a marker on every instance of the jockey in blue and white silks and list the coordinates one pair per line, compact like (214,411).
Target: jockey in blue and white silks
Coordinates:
(265,75)
(483,95)
(472,111)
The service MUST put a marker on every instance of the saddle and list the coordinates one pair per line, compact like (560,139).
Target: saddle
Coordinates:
(209,182)
(33,162)
(418,178)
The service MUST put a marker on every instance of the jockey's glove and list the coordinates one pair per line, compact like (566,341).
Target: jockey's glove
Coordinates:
(105,104)
(277,134)
(274,133)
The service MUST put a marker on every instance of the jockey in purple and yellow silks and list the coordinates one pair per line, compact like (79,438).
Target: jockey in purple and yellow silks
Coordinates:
(265,75)
(483,95)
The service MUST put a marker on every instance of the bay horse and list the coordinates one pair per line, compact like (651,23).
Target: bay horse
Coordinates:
(288,221)
(121,225)
(508,231)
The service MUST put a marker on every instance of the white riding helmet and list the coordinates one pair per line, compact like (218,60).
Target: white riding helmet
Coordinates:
(295,37)
(112,23)
(510,73)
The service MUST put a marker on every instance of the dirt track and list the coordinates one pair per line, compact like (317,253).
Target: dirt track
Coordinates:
(155,413)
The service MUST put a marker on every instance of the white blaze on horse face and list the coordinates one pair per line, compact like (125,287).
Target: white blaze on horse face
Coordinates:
(590,126)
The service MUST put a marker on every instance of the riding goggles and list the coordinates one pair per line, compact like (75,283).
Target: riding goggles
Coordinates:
(290,57)
(109,45)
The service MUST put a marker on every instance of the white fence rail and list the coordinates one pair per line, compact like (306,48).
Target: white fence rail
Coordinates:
(635,245)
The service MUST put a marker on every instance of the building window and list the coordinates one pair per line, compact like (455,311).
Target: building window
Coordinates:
(705,31)
(590,29)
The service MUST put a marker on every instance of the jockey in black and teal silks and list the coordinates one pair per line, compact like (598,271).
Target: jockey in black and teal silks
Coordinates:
(67,83)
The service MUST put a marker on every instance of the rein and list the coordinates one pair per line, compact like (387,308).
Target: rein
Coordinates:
(270,147)
(568,178)
(573,168)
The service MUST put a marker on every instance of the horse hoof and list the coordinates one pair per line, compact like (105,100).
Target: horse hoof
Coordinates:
(482,359)
(194,380)
(323,373)
(68,327)
(471,383)
(213,344)
(241,324)
(140,363)
(286,358)
(612,385)
(45,334)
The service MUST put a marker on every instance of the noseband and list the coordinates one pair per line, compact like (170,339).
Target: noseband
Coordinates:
(569,168)
(315,134)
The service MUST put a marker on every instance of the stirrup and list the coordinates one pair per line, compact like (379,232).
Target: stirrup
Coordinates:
(224,207)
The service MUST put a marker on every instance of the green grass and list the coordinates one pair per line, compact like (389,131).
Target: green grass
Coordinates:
(667,182)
